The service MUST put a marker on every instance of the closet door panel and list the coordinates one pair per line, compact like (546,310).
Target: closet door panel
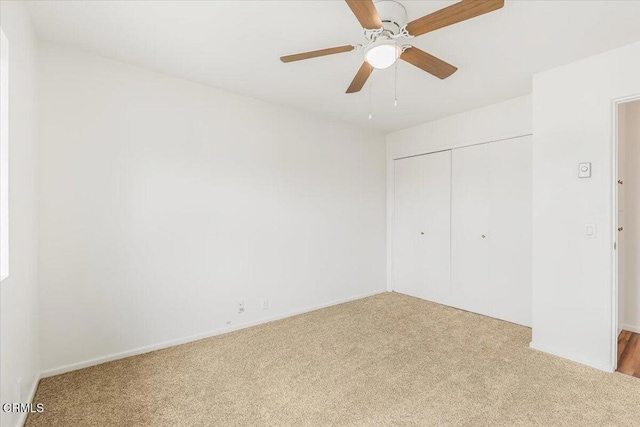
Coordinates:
(509,236)
(422,226)
(469,228)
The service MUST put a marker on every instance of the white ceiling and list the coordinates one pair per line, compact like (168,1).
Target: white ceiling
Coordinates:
(236,45)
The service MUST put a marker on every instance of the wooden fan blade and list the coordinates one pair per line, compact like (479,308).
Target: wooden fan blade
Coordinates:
(461,11)
(361,78)
(366,13)
(317,53)
(428,63)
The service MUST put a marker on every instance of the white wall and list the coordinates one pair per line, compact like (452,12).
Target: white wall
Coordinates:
(629,216)
(164,203)
(572,275)
(18,293)
(504,120)
(508,119)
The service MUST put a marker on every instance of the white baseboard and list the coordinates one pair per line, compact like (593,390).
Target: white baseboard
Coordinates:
(630,328)
(32,394)
(224,330)
(572,357)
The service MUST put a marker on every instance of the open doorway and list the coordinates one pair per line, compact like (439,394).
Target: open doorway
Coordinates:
(628,237)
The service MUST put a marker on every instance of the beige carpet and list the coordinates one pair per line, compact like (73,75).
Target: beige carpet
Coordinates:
(385,360)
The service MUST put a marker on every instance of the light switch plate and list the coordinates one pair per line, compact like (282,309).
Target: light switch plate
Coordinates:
(590,231)
(584,170)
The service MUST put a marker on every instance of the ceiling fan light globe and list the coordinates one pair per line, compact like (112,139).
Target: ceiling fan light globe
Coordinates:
(382,54)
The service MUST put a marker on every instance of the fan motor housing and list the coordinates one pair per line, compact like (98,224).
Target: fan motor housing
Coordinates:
(392,14)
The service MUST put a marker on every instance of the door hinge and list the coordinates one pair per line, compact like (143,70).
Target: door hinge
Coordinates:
(614,246)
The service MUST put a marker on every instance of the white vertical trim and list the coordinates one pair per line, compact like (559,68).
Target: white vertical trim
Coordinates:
(4,156)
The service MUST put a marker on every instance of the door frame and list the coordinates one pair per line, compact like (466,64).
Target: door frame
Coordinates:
(614,222)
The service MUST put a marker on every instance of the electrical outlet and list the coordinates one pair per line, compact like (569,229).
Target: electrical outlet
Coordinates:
(240,307)
(265,304)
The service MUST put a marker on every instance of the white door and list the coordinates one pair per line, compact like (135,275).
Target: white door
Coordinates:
(509,235)
(470,228)
(491,229)
(422,214)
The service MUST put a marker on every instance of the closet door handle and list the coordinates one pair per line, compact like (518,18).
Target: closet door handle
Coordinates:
(483,236)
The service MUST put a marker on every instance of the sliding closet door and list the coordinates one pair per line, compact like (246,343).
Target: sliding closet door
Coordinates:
(491,230)
(470,233)
(509,237)
(422,226)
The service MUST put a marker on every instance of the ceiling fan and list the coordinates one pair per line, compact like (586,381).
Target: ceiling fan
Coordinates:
(385,22)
